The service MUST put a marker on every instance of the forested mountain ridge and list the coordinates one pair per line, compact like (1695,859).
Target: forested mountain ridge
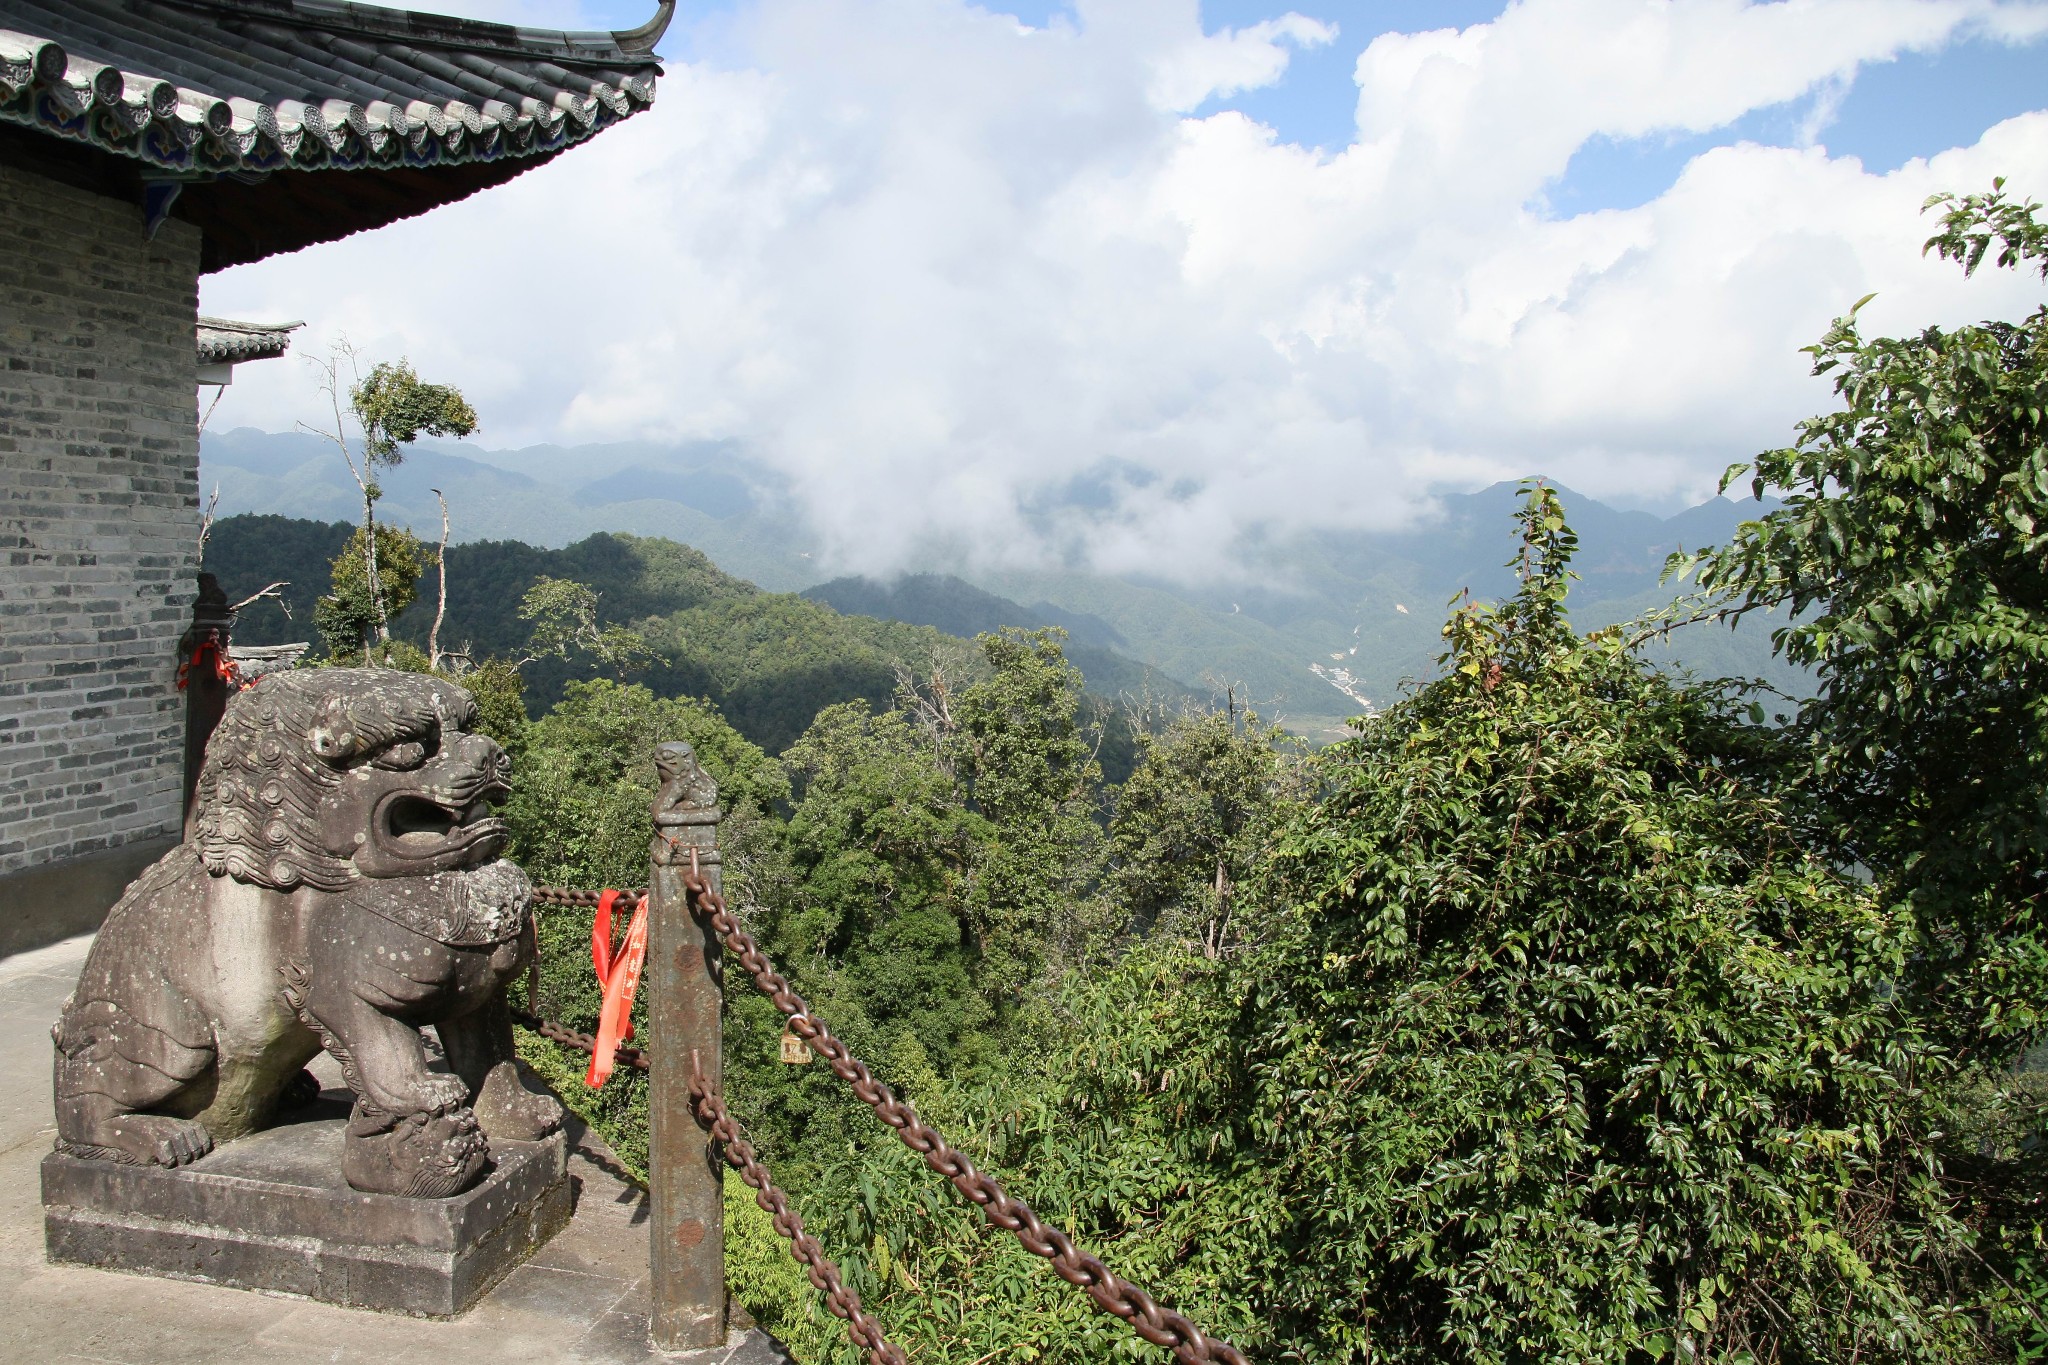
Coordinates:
(957,607)
(769,661)
(1308,625)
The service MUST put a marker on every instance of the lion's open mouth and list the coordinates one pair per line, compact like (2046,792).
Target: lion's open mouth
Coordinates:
(416,826)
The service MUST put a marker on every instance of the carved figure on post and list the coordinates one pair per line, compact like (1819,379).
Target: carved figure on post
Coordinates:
(685,808)
(342,888)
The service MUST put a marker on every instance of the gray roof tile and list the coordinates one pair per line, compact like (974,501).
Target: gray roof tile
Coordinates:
(223,340)
(261,85)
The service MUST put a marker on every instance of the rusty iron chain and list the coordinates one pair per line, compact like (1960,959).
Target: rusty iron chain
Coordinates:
(582,1042)
(842,1302)
(626,903)
(1116,1296)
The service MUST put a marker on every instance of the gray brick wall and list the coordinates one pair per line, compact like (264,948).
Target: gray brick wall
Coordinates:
(99,509)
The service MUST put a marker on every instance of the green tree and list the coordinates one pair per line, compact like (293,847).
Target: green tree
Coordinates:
(1191,825)
(500,703)
(564,617)
(392,407)
(1018,744)
(1911,557)
(348,616)
(884,851)
(1568,1046)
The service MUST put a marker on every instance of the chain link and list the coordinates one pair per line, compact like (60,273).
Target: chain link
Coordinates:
(582,1042)
(863,1330)
(627,902)
(1114,1295)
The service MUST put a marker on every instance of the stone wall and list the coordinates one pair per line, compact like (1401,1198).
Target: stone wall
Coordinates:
(99,484)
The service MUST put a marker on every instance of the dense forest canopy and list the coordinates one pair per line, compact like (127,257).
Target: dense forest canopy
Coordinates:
(768,661)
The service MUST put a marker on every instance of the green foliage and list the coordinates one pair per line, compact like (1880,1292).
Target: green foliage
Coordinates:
(1192,823)
(564,617)
(500,702)
(1567,1048)
(1562,1040)
(772,661)
(1912,555)
(1973,222)
(348,615)
(395,408)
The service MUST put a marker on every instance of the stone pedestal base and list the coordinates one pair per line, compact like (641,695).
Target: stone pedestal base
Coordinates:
(271,1211)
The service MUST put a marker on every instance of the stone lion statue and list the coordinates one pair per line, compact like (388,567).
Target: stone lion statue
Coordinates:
(341,889)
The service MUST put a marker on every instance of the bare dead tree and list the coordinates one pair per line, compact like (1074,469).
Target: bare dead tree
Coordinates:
(928,701)
(331,381)
(440,610)
(206,522)
(270,592)
(219,390)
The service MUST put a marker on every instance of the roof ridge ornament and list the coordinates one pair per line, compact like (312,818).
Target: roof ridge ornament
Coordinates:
(640,41)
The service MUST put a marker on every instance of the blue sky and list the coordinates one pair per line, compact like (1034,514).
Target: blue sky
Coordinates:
(1914,106)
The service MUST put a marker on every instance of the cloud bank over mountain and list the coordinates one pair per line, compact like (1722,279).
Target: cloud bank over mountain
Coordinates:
(1000,295)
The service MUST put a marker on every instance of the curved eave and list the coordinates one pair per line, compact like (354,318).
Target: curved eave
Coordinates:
(226,124)
(184,142)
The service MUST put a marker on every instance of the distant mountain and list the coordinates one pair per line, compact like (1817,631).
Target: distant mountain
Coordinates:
(1314,627)
(769,661)
(957,607)
(706,494)
(1320,627)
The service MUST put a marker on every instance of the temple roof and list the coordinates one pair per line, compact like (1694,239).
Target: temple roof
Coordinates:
(224,341)
(231,100)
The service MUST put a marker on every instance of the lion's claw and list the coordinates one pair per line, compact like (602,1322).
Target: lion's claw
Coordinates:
(169,1142)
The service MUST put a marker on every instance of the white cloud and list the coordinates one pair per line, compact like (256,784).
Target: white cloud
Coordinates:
(1203,64)
(937,266)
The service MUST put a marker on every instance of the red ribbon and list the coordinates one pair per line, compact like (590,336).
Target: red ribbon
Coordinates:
(224,667)
(618,976)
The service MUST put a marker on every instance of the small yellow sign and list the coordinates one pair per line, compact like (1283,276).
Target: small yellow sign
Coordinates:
(795,1050)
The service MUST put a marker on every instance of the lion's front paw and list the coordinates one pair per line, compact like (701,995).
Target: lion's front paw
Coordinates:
(438,1092)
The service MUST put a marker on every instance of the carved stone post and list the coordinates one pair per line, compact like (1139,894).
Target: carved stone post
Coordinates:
(687,1255)
(206,694)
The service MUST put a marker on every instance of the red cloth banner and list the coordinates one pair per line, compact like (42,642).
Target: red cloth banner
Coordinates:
(224,667)
(618,976)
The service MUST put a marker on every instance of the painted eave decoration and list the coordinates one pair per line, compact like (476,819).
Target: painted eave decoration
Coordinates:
(242,92)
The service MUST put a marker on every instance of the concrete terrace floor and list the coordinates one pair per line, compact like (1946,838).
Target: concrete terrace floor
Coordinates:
(581,1299)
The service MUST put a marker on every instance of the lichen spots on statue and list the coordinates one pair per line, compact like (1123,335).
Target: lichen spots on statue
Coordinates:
(342,889)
